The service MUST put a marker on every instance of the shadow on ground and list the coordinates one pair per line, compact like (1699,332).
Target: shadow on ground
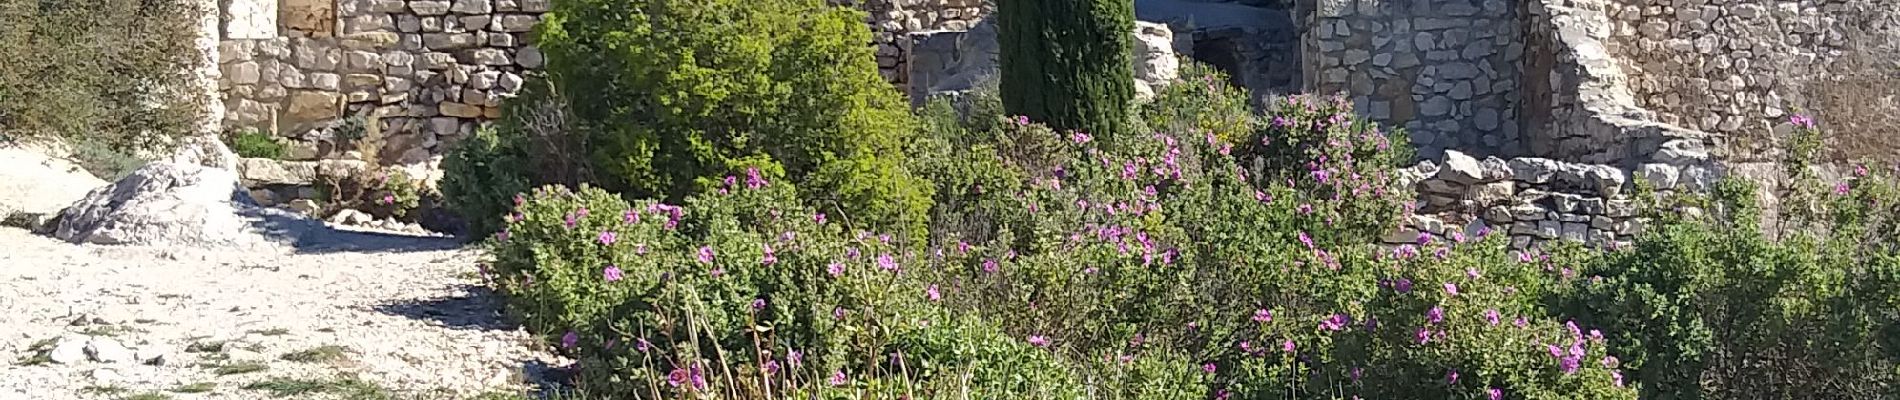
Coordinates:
(312,236)
(478,308)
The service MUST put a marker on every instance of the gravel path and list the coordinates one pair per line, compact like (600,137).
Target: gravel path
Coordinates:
(403,313)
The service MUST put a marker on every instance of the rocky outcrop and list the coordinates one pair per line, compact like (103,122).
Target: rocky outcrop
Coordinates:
(162,203)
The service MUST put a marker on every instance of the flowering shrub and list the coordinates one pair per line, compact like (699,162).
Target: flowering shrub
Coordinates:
(1710,306)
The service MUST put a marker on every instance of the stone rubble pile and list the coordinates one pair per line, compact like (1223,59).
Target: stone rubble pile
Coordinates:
(1534,200)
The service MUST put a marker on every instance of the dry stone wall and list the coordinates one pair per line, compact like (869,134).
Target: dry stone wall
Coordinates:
(1447,70)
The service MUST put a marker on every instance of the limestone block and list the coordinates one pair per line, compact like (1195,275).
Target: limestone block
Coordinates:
(325,81)
(363,61)
(369,40)
(485,56)
(436,61)
(316,55)
(315,17)
(517,23)
(454,109)
(448,41)
(473,7)
(508,84)
(535,6)
(243,73)
(250,19)
(309,105)
(498,39)
(429,7)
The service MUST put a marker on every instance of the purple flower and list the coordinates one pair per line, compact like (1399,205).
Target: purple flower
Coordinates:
(818,218)
(502,236)
(570,339)
(758,304)
(1520,322)
(1451,288)
(705,254)
(569,221)
(1473,273)
(1617,377)
(1306,240)
(770,257)
(612,273)
(835,269)
(1356,373)
(1570,364)
(1609,362)
(676,378)
(793,358)
(837,313)
(1335,323)
(770,367)
(1287,345)
(642,345)
(1208,368)
(989,266)
(1423,335)
(838,378)
(753,180)
(1038,341)
(607,238)
(932,294)
(1494,394)
(1022,120)
(630,217)
(699,376)
(1435,316)
(1451,377)
(1841,188)
(1403,285)
(1263,315)
(1491,317)
(1555,352)
(885,262)
(1079,138)
(1801,121)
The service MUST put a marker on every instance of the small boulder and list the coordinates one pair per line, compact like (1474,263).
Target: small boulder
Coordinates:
(108,350)
(161,203)
(1461,168)
(69,350)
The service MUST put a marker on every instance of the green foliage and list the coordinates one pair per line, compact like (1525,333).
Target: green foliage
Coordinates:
(1068,63)
(103,160)
(673,94)
(1202,101)
(480,176)
(111,71)
(252,143)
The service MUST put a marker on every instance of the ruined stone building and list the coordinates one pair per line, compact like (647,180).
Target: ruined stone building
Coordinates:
(1557,104)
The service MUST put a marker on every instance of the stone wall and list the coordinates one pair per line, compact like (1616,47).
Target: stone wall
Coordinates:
(1446,70)
(1534,200)
(1739,68)
(419,73)
(894,21)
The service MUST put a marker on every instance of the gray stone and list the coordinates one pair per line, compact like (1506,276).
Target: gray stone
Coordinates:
(429,7)
(1606,180)
(1437,106)
(1575,231)
(350,217)
(304,206)
(473,7)
(448,41)
(1661,176)
(1461,168)
(264,171)
(535,6)
(529,57)
(484,56)
(1493,193)
(160,203)
(509,83)
(1486,119)
(149,357)
(483,80)
(516,23)
(1534,170)
(1548,229)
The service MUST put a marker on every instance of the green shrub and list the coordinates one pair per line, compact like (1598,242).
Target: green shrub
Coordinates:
(252,143)
(1068,63)
(673,94)
(1202,101)
(112,72)
(103,160)
(532,144)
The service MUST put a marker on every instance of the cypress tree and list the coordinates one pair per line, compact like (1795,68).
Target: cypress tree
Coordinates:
(1068,63)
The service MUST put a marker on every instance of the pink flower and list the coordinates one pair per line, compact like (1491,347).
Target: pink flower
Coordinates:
(885,262)
(753,180)
(1022,120)
(1306,240)
(1356,373)
(818,218)
(1423,335)
(838,378)
(1520,322)
(1208,368)
(1287,346)
(642,345)
(1472,273)
(1451,288)
(835,269)
(837,313)
(793,358)
(770,257)
(1435,316)
(611,273)
(1403,285)
(1079,138)
(770,367)
(1801,121)
(1860,171)
(705,254)
(1451,377)
(989,266)
(1610,362)
(502,236)
(1841,188)
(389,199)
(676,378)
(1263,315)
(570,339)
(1494,394)
(932,294)
(1335,323)
(1555,352)
(607,238)
(1491,317)
(1617,377)
(1038,341)
(758,304)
